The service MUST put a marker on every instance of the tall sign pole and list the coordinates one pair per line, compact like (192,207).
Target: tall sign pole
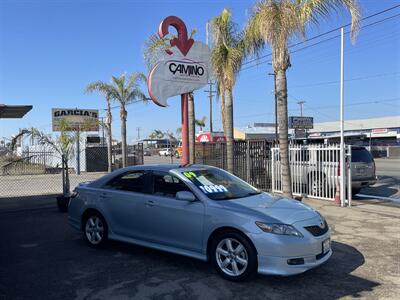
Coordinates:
(183,69)
(342,154)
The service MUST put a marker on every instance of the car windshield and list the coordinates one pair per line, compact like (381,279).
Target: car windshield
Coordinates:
(217,184)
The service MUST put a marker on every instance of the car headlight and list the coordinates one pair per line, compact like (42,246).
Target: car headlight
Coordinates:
(276,228)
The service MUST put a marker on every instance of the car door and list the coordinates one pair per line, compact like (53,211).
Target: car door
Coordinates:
(121,200)
(174,222)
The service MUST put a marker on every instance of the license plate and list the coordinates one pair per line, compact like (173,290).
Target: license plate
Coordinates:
(326,245)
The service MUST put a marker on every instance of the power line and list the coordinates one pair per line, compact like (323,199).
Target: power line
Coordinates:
(351,79)
(328,32)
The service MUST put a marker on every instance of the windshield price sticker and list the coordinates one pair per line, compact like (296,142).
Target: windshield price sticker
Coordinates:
(190,175)
(208,189)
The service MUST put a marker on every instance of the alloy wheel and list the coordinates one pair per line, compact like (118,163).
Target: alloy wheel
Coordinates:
(231,257)
(94,230)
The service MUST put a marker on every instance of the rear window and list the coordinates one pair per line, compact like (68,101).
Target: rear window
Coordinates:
(361,155)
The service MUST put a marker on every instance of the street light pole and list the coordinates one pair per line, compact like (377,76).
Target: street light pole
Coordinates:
(342,155)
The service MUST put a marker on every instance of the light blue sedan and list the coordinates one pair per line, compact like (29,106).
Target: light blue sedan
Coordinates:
(205,213)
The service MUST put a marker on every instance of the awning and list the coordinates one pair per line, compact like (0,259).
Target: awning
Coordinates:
(13,111)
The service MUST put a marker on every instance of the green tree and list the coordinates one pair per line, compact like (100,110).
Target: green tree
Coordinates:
(226,58)
(156,134)
(201,122)
(276,22)
(105,90)
(125,90)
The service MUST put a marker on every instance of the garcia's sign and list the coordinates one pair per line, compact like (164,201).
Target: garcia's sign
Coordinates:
(75,119)
(301,122)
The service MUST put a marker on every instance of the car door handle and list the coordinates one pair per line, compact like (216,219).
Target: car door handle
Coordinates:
(150,203)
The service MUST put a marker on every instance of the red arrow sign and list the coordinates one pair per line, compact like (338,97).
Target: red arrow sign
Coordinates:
(181,42)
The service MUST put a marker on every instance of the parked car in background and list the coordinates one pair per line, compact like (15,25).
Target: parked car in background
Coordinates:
(363,170)
(147,152)
(165,152)
(317,169)
(202,212)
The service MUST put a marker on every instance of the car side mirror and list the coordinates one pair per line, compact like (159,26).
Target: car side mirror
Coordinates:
(185,196)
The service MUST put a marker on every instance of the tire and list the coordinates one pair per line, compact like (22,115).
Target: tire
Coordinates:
(95,230)
(245,259)
(355,191)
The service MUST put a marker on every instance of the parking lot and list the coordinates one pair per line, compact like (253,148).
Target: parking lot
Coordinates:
(43,258)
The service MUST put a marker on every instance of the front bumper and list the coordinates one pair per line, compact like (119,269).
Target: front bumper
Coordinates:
(274,251)
(271,265)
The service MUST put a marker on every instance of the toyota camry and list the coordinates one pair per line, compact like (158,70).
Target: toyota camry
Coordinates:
(205,213)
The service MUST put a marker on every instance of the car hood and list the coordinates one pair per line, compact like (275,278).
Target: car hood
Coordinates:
(286,210)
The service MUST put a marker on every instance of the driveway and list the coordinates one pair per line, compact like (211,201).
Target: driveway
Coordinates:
(41,257)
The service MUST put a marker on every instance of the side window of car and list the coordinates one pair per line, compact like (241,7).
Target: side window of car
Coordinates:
(131,181)
(167,185)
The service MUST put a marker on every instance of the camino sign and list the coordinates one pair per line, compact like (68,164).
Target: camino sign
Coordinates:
(184,67)
(301,122)
(76,118)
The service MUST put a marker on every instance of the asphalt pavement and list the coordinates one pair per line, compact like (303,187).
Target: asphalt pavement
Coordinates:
(41,257)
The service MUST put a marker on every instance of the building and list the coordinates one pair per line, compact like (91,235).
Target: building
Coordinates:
(258,131)
(382,131)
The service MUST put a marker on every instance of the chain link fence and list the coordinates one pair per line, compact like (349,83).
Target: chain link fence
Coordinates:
(37,173)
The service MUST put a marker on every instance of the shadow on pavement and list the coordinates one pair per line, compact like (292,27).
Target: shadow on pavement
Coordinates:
(330,281)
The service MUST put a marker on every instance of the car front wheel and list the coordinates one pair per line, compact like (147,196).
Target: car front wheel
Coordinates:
(95,230)
(233,256)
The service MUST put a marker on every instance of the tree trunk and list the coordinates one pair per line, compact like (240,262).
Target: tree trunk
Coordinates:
(109,136)
(281,94)
(192,128)
(123,115)
(67,182)
(229,130)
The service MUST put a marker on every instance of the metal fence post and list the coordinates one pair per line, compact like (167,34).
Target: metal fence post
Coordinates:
(248,165)
(349,187)
(273,169)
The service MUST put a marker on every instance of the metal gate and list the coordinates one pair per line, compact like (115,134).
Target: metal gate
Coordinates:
(314,170)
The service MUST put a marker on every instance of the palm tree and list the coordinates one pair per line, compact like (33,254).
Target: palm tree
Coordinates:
(125,89)
(226,59)
(104,89)
(156,134)
(201,122)
(275,23)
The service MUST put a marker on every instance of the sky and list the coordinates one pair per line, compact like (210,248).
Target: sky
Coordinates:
(50,50)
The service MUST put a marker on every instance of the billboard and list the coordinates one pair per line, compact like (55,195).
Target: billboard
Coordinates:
(75,119)
(301,122)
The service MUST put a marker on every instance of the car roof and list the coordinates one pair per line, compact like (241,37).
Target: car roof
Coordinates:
(164,167)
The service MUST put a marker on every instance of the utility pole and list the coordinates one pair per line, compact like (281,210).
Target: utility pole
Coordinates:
(301,103)
(211,93)
(276,107)
(341,162)
(138,133)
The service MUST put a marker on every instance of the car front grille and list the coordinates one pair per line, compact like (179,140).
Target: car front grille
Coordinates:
(316,230)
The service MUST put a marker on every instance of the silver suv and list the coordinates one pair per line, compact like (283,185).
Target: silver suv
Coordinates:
(362,169)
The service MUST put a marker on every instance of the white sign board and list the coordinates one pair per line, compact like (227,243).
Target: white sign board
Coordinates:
(76,119)
(177,74)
